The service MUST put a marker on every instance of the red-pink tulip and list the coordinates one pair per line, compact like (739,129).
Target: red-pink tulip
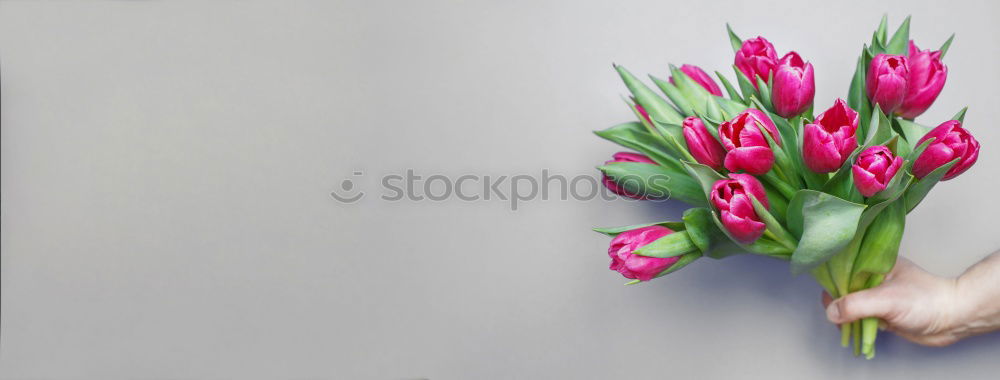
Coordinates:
(624,157)
(703,146)
(756,59)
(874,169)
(731,197)
(951,141)
(701,78)
(635,266)
(887,81)
(747,148)
(794,86)
(830,139)
(927,77)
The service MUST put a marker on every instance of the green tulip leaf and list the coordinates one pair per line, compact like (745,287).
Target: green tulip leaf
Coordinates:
(704,175)
(713,116)
(778,202)
(857,98)
(730,108)
(657,107)
(694,92)
(900,39)
(793,215)
(614,231)
(746,86)
(880,246)
(762,246)
(654,130)
(912,132)
(655,181)
(673,135)
(734,40)
(919,189)
(876,46)
(946,45)
(633,136)
(764,89)
(787,133)
(671,245)
(733,94)
(828,225)
(683,262)
(780,234)
(675,95)
(882,33)
(960,116)
(705,234)
(880,129)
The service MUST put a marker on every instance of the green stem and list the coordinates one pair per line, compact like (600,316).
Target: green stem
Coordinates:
(783,187)
(845,335)
(869,331)
(822,275)
(856,330)
(783,238)
(842,264)
(869,326)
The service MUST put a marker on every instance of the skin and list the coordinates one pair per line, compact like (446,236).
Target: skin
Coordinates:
(928,309)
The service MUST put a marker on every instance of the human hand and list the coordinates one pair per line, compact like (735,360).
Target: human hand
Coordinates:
(914,304)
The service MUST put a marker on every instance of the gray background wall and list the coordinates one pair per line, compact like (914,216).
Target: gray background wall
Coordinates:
(166,170)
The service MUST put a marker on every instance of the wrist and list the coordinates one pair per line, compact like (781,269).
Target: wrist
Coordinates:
(977,307)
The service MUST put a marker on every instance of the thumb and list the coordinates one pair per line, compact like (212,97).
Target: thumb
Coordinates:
(858,305)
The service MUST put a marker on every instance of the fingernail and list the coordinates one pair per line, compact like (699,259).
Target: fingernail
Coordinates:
(833,312)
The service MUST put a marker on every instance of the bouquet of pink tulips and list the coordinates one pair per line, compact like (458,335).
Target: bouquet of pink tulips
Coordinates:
(828,193)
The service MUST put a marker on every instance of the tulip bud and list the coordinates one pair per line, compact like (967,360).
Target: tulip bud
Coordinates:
(874,169)
(624,157)
(731,197)
(951,141)
(747,148)
(756,59)
(793,87)
(701,78)
(927,76)
(886,81)
(635,266)
(703,146)
(830,139)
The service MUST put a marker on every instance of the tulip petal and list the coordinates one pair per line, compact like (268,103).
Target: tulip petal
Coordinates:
(753,160)
(932,158)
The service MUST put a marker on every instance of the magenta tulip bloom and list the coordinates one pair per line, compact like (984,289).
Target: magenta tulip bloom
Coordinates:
(887,81)
(703,146)
(830,139)
(731,197)
(625,157)
(951,141)
(927,76)
(793,87)
(756,59)
(635,266)
(874,169)
(701,78)
(746,147)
